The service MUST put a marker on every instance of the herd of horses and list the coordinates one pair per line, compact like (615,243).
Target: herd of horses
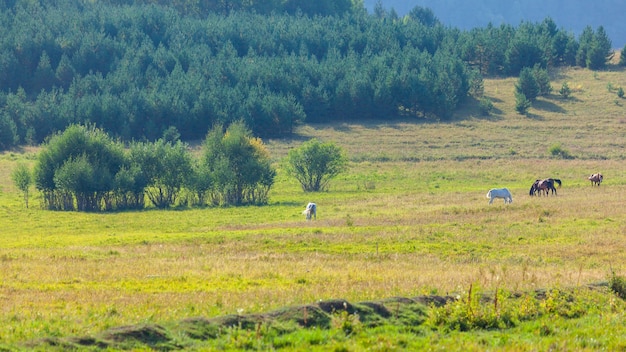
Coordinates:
(538,188)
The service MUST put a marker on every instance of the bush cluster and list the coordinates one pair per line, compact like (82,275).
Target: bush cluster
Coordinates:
(84,169)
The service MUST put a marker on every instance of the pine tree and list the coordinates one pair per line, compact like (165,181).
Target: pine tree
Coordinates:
(585,40)
(599,50)
(527,84)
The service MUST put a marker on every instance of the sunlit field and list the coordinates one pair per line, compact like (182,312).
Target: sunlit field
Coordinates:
(409,218)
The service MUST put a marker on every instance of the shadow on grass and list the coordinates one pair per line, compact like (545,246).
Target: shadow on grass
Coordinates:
(546,104)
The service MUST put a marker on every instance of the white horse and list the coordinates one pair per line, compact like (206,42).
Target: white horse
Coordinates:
(500,193)
(310,211)
(596,179)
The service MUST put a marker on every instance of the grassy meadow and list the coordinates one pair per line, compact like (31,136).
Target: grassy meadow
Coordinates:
(409,218)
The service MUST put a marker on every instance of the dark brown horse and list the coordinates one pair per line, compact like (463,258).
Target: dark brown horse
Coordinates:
(547,186)
(595,179)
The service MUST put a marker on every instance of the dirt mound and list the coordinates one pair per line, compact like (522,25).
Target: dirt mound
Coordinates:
(395,310)
(149,334)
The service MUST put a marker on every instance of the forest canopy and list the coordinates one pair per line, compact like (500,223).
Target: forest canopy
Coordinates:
(138,69)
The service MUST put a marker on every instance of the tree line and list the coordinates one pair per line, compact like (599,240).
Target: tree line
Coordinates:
(138,69)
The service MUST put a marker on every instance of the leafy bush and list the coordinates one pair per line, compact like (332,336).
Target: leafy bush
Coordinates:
(22,179)
(87,182)
(315,163)
(165,166)
(239,166)
(346,322)
(77,169)
(130,184)
(617,284)
(556,150)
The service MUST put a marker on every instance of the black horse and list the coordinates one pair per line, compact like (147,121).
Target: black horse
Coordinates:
(547,186)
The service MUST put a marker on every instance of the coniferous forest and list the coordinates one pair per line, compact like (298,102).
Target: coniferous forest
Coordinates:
(137,69)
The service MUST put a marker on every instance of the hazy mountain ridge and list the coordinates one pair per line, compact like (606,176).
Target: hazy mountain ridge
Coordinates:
(572,15)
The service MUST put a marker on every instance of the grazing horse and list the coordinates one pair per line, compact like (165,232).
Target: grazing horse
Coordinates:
(310,211)
(500,193)
(534,188)
(595,179)
(546,186)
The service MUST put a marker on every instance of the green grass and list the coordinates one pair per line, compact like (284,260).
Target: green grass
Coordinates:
(410,218)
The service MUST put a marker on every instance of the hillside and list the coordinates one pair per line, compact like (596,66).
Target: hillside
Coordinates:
(573,16)
(589,125)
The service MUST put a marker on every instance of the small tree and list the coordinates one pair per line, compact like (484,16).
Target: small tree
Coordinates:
(527,84)
(77,168)
(565,90)
(130,186)
(315,163)
(238,165)
(200,183)
(543,80)
(622,56)
(522,104)
(166,167)
(22,179)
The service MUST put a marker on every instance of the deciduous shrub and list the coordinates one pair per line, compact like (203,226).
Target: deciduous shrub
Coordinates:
(76,169)
(315,163)
(239,166)
(22,179)
(558,151)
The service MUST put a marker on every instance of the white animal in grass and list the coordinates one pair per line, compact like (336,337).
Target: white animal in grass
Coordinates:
(500,193)
(310,211)
(596,179)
